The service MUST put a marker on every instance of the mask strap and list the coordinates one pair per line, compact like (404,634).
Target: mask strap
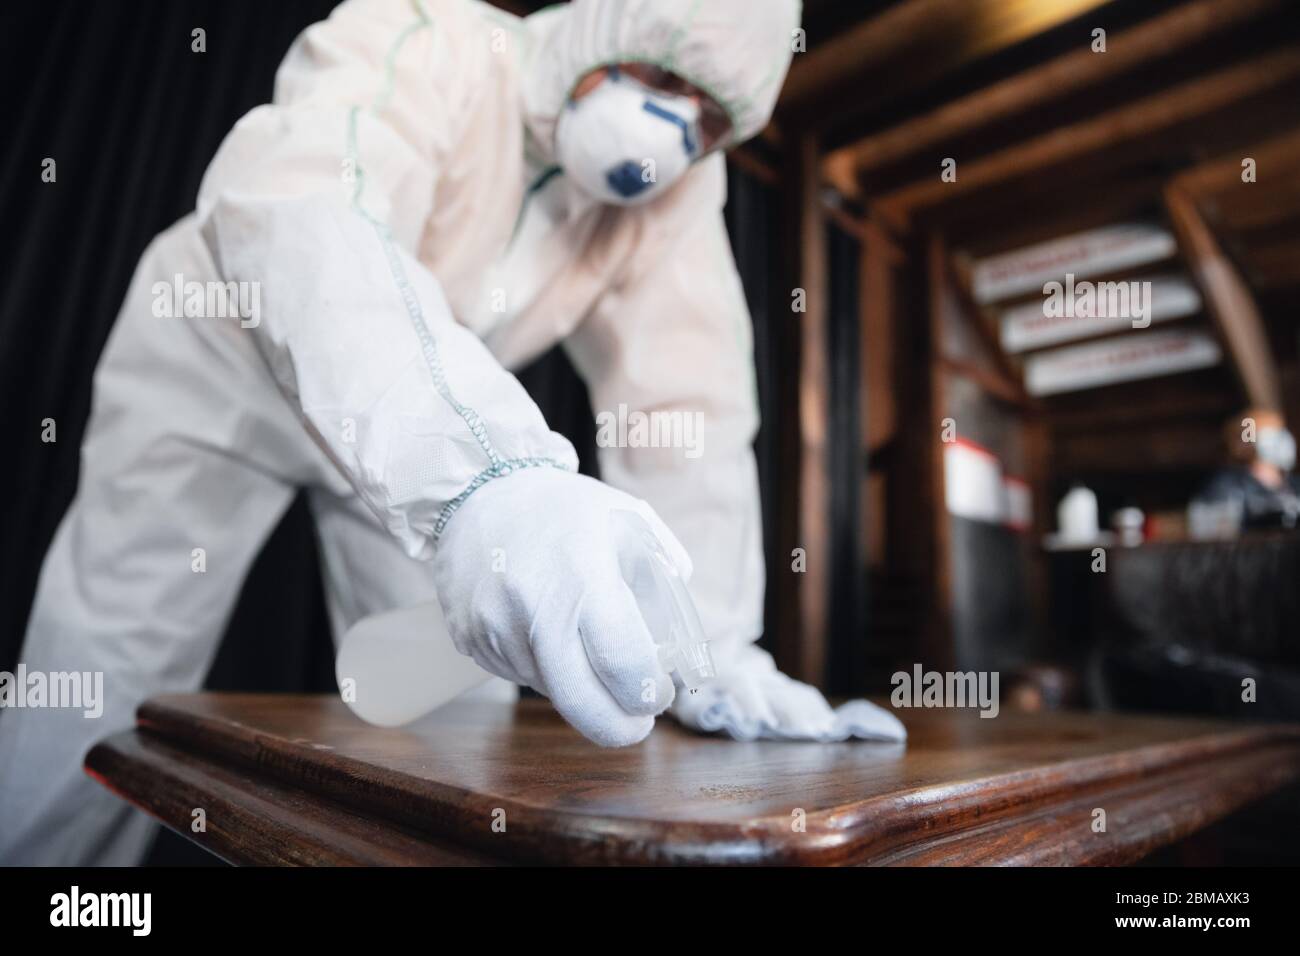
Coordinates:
(654,109)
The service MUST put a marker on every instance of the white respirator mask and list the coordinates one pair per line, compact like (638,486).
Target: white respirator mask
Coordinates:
(625,143)
(1276,447)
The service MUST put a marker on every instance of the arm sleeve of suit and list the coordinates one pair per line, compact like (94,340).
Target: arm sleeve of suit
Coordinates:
(675,338)
(319,200)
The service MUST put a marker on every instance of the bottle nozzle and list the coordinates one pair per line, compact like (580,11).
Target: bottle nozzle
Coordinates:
(682,644)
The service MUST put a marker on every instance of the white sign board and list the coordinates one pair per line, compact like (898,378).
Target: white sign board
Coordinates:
(1098,251)
(1125,358)
(1020,503)
(972,481)
(1040,322)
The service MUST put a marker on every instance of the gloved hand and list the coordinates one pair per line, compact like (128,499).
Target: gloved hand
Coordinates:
(531,582)
(751,700)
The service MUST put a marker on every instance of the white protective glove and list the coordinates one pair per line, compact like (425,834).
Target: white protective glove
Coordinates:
(751,700)
(532,584)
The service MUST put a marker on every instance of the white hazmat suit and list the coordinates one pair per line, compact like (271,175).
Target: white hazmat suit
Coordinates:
(398,211)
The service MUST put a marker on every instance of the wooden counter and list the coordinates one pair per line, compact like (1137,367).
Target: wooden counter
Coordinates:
(299,780)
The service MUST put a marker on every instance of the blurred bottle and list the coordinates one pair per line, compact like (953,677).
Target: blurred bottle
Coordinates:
(1129,526)
(1215,519)
(1076,516)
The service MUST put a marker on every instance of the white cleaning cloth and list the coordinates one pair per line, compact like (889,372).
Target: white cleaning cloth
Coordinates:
(751,700)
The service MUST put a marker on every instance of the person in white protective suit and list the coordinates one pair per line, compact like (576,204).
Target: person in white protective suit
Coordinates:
(438,193)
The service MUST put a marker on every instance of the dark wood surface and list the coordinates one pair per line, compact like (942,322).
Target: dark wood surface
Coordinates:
(298,779)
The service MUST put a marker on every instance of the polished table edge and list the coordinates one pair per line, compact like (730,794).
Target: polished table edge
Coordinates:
(1139,819)
(252,821)
(1040,815)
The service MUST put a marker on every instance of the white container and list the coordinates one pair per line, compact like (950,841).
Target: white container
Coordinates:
(1076,516)
(396,667)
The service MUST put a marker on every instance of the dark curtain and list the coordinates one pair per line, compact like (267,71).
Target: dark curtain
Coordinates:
(751,213)
(113,93)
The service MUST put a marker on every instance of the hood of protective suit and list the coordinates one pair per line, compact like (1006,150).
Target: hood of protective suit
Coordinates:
(737,51)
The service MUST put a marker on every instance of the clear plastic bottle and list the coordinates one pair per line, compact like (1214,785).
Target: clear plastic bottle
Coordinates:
(665,603)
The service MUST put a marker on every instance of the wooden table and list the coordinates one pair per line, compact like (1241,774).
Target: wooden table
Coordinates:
(299,780)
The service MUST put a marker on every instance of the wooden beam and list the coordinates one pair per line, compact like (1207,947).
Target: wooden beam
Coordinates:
(1131,50)
(1036,441)
(1263,215)
(877,303)
(1262,207)
(1137,121)
(1010,385)
(990,382)
(940,652)
(1228,300)
(814,412)
(1277,162)
(848,223)
(912,44)
(1277,265)
(1107,415)
(878,412)
(802,598)
(986,226)
(1168,446)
